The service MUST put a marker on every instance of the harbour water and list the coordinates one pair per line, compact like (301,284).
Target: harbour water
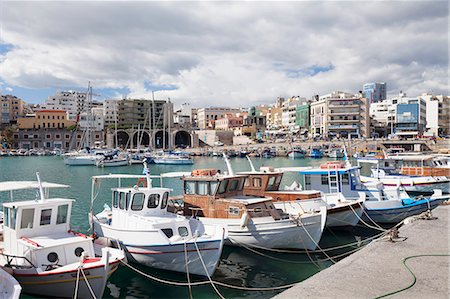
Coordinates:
(238,266)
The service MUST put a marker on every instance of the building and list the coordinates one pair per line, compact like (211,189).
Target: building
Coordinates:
(229,122)
(375,91)
(340,115)
(410,117)
(206,117)
(302,118)
(437,115)
(11,108)
(110,112)
(73,102)
(143,113)
(183,116)
(95,122)
(382,115)
(289,114)
(45,119)
(274,117)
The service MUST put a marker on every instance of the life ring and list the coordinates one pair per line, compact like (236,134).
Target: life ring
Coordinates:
(142,182)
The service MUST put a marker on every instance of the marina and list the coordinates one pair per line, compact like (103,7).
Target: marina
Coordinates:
(250,268)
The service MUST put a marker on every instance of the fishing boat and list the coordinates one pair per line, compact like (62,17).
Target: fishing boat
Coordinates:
(315,153)
(252,221)
(336,153)
(296,153)
(382,205)
(341,212)
(46,257)
(151,235)
(391,178)
(9,286)
(113,159)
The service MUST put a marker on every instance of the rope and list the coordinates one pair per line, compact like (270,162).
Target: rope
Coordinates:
(75,295)
(314,241)
(187,271)
(377,227)
(206,271)
(411,272)
(87,283)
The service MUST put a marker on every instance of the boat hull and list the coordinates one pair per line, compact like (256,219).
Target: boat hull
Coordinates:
(296,155)
(413,184)
(81,161)
(173,162)
(112,163)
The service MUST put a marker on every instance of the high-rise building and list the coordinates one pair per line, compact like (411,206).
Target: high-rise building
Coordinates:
(11,108)
(375,91)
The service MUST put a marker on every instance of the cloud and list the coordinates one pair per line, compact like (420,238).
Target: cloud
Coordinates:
(225,53)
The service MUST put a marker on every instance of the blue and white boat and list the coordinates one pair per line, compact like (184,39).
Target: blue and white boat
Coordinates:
(315,153)
(382,205)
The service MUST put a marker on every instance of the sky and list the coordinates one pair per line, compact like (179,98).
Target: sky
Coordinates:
(213,53)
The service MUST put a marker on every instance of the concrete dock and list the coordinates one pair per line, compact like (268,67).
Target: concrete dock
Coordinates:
(378,269)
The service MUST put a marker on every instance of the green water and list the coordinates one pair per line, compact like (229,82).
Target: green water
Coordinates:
(238,266)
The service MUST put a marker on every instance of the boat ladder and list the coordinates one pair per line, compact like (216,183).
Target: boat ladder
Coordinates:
(333,180)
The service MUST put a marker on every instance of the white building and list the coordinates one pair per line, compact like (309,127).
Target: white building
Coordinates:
(110,112)
(71,101)
(96,121)
(289,114)
(437,114)
(206,116)
(183,116)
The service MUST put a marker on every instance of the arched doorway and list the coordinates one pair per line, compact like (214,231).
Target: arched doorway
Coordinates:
(182,139)
(159,139)
(122,139)
(141,138)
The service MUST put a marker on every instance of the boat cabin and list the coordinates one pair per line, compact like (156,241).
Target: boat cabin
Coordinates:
(39,232)
(208,194)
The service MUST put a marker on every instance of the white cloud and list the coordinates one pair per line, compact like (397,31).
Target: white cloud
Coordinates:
(222,53)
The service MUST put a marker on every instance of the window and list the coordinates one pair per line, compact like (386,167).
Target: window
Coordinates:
(189,187)
(61,217)
(168,232)
(256,182)
(233,210)
(138,201)
(307,180)
(324,179)
(212,186)
(183,231)
(78,251)
(48,136)
(165,199)
(278,180)
(127,200)
(345,179)
(234,185)
(223,186)
(46,216)
(153,201)
(27,218)
(241,185)
(202,188)
(121,200)
(247,182)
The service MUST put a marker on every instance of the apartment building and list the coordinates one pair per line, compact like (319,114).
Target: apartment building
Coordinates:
(11,108)
(229,122)
(143,112)
(437,114)
(95,121)
(206,117)
(340,114)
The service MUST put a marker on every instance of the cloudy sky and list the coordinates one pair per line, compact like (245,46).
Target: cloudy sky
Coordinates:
(222,53)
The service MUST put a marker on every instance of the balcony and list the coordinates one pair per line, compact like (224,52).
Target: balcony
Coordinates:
(343,127)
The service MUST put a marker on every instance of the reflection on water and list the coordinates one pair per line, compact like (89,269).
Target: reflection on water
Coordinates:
(238,266)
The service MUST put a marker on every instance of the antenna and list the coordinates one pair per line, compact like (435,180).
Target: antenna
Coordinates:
(41,189)
(251,163)
(227,161)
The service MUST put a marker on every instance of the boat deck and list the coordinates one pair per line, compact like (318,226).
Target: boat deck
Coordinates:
(378,269)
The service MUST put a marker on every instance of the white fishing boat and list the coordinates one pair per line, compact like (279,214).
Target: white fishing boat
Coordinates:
(151,235)
(172,160)
(82,159)
(382,205)
(251,220)
(46,257)
(336,153)
(9,286)
(293,200)
(296,153)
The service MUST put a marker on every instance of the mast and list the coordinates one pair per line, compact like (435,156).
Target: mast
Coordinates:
(169,119)
(164,126)
(115,124)
(153,118)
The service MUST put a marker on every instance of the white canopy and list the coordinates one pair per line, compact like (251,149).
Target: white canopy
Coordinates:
(22,185)
(141,176)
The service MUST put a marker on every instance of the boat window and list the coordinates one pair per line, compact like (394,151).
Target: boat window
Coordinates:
(213,186)
(241,185)
(79,251)
(257,182)
(121,200)
(307,180)
(234,185)
(46,216)
(183,231)
(52,257)
(345,180)
(278,180)
(324,179)
(138,201)
(189,187)
(233,210)
(202,188)
(115,200)
(168,232)
(127,200)
(6,217)
(165,198)
(271,185)
(223,186)
(12,218)
(153,201)
(61,217)
(247,182)
(257,210)
(27,218)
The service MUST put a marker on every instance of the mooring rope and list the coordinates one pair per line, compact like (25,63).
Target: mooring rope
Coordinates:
(187,271)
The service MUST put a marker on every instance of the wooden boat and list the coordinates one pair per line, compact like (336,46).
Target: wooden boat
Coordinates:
(152,236)
(42,250)
(251,220)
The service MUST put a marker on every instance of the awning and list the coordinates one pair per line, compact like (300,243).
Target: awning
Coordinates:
(22,185)
(407,133)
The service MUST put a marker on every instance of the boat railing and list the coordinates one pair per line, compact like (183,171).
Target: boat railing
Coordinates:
(10,258)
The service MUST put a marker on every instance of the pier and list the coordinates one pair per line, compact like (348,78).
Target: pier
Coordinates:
(380,268)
